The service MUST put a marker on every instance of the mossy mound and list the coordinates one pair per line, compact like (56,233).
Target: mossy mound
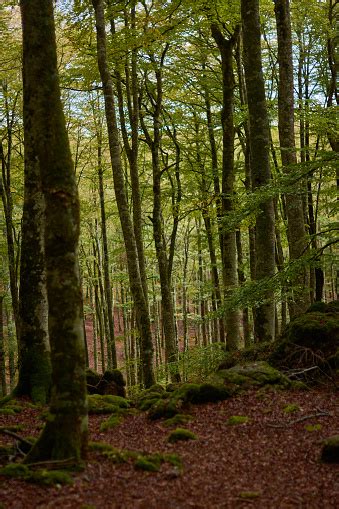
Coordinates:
(310,340)
(178,419)
(149,397)
(111,382)
(166,404)
(180,435)
(108,404)
(252,374)
(11,406)
(41,476)
(330,450)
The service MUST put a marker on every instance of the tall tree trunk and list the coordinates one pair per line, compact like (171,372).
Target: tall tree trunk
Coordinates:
(296,233)
(171,351)
(260,164)
(137,290)
(3,381)
(65,433)
(229,250)
(107,279)
(34,351)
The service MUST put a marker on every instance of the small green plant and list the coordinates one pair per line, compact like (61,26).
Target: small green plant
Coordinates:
(291,408)
(181,434)
(313,427)
(234,420)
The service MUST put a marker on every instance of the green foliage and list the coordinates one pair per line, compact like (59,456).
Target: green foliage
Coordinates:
(181,434)
(235,420)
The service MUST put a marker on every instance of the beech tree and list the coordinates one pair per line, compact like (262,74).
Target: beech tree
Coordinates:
(65,434)
(259,141)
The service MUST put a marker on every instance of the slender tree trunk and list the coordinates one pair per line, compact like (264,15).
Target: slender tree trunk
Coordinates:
(140,303)
(260,164)
(228,251)
(296,233)
(65,433)
(3,380)
(107,280)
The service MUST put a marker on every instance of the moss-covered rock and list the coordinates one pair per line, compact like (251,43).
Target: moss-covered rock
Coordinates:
(181,434)
(256,352)
(310,340)
(111,382)
(251,374)
(330,450)
(107,404)
(291,408)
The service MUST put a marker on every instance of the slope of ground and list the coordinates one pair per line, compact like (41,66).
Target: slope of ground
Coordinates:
(271,461)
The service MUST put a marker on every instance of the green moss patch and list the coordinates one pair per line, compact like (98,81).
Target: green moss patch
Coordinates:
(235,420)
(41,476)
(181,434)
(291,408)
(111,422)
(141,461)
(178,419)
(330,450)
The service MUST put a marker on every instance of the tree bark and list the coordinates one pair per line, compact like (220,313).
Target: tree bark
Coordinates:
(33,342)
(228,248)
(260,165)
(296,233)
(65,433)
(137,290)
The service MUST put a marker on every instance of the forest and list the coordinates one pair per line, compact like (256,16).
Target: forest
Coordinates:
(169,317)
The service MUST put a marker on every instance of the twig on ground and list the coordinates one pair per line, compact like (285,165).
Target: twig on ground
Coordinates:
(304,418)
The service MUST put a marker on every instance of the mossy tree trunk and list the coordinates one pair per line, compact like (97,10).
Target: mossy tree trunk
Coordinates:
(33,342)
(3,381)
(65,433)
(259,141)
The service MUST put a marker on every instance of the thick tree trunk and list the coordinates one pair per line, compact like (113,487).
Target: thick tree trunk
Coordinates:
(137,290)
(34,351)
(260,164)
(65,433)
(228,248)
(296,233)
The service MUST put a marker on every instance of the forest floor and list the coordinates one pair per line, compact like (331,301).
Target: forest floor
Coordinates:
(271,461)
